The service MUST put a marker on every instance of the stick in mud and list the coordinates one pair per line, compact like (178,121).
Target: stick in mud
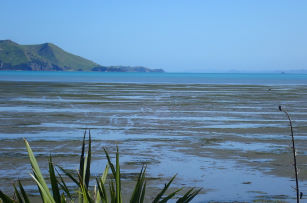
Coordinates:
(298,194)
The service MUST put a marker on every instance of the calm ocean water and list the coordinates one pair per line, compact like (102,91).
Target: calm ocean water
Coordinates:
(221,132)
(177,78)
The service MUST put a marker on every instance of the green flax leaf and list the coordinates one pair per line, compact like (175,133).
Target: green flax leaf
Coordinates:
(36,170)
(54,182)
(23,193)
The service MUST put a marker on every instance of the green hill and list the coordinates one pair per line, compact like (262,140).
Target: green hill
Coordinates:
(49,57)
(40,57)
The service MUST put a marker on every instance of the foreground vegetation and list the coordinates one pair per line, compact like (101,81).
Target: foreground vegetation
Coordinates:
(102,192)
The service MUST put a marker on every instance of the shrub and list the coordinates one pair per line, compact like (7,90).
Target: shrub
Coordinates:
(60,193)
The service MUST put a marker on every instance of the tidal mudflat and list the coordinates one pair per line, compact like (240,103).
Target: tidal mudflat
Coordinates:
(231,140)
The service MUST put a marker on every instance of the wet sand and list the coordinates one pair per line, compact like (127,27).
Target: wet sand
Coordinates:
(231,140)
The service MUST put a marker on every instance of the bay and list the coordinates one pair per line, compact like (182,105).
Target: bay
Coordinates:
(174,78)
(221,132)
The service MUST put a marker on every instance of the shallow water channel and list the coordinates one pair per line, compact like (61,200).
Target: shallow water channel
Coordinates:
(231,140)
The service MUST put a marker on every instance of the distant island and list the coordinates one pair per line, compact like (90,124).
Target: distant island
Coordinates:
(49,57)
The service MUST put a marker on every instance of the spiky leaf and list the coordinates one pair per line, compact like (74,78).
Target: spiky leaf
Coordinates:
(37,173)
(23,193)
(5,198)
(54,182)
(159,196)
(18,195)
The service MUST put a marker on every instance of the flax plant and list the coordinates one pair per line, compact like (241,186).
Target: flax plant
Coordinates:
(60,193)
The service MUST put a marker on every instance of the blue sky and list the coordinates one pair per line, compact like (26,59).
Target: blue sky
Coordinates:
(178,36)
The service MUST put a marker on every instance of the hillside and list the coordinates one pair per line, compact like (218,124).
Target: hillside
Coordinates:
(49,57)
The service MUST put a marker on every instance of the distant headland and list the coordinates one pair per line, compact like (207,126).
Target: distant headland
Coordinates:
(49,57)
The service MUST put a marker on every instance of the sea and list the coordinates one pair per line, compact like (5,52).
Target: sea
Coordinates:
(174,78)
(222,132)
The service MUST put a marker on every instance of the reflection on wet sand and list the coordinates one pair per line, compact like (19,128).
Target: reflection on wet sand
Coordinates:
(228,139)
